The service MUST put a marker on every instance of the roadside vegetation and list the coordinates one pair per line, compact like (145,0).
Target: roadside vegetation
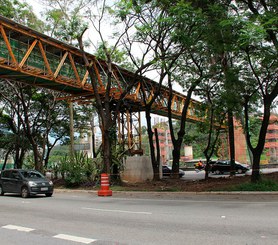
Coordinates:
(262,185)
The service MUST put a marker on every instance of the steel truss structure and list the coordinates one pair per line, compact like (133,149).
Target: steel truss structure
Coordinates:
(39,60)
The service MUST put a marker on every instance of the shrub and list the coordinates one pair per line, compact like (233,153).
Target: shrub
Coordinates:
(77,169)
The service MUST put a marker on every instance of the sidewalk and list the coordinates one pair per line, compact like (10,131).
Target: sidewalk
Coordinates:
(168,194)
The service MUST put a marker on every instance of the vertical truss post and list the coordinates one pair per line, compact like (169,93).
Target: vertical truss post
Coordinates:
(129,132)
(119,128)
(140,132)
(123,131)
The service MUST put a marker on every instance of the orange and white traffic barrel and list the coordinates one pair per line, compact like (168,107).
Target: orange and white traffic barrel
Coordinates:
(104,186)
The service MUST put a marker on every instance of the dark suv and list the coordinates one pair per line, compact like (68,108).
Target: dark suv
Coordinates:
(24,182)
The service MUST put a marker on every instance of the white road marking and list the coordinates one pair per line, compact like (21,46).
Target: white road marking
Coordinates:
(18,228)
(25,202)
(75,238)
(116,211)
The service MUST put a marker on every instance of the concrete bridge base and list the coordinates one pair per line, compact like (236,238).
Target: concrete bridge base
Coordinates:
(137,169)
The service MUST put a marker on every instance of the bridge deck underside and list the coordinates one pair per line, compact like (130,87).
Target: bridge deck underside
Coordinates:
(39,82)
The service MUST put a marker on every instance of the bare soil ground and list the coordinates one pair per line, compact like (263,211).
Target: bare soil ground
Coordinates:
(212,184)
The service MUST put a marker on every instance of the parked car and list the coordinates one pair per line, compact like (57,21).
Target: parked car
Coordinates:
(222,166)
(167,170)
(25,183)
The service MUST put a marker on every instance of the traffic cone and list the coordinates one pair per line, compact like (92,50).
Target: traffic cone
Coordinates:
(104,186)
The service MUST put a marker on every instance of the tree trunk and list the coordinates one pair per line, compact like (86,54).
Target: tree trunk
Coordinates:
(177,143)
(6,159)
(207,168)
(46,158)
(150,136)
(93,136)
(231,141)
(256,176)
(106,151)
(21,158)
(157,162)
(16,159)
(176,160)
(37,157)
(257,152)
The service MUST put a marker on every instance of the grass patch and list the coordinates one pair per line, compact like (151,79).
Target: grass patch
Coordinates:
(263,185)
(116,188)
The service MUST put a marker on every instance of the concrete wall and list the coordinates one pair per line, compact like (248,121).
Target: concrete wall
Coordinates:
(137,169)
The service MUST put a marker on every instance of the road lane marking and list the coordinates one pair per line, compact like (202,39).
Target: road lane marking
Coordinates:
(18,228)
(116,211)
(75,238)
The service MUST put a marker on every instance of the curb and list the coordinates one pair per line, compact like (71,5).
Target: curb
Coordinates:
(162,193)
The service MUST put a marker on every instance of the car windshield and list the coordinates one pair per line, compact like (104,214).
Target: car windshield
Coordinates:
(31,174)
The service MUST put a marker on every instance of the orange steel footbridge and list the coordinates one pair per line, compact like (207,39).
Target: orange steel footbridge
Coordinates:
(34,58)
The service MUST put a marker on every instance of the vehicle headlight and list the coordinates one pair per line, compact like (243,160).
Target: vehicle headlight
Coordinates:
(50,182)
(32,183)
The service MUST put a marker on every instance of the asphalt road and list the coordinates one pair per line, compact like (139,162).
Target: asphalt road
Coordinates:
(139,218)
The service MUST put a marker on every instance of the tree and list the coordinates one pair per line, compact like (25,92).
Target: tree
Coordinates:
(64,19)
(220,38)
(144,19)
(214,120)
(64,22)
(21,12)
(258,42)
(243,39)
(190,69)
(106,107)
(12,140)
(157,31)
(37,116)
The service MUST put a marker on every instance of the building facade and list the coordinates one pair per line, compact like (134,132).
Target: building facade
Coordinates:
(271,141)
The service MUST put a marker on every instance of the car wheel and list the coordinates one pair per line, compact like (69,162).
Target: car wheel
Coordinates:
(240,171)
(1,191)
(48,194)
(217,171)
(24,192)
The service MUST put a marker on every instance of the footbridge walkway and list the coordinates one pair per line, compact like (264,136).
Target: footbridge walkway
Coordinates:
(34,58)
